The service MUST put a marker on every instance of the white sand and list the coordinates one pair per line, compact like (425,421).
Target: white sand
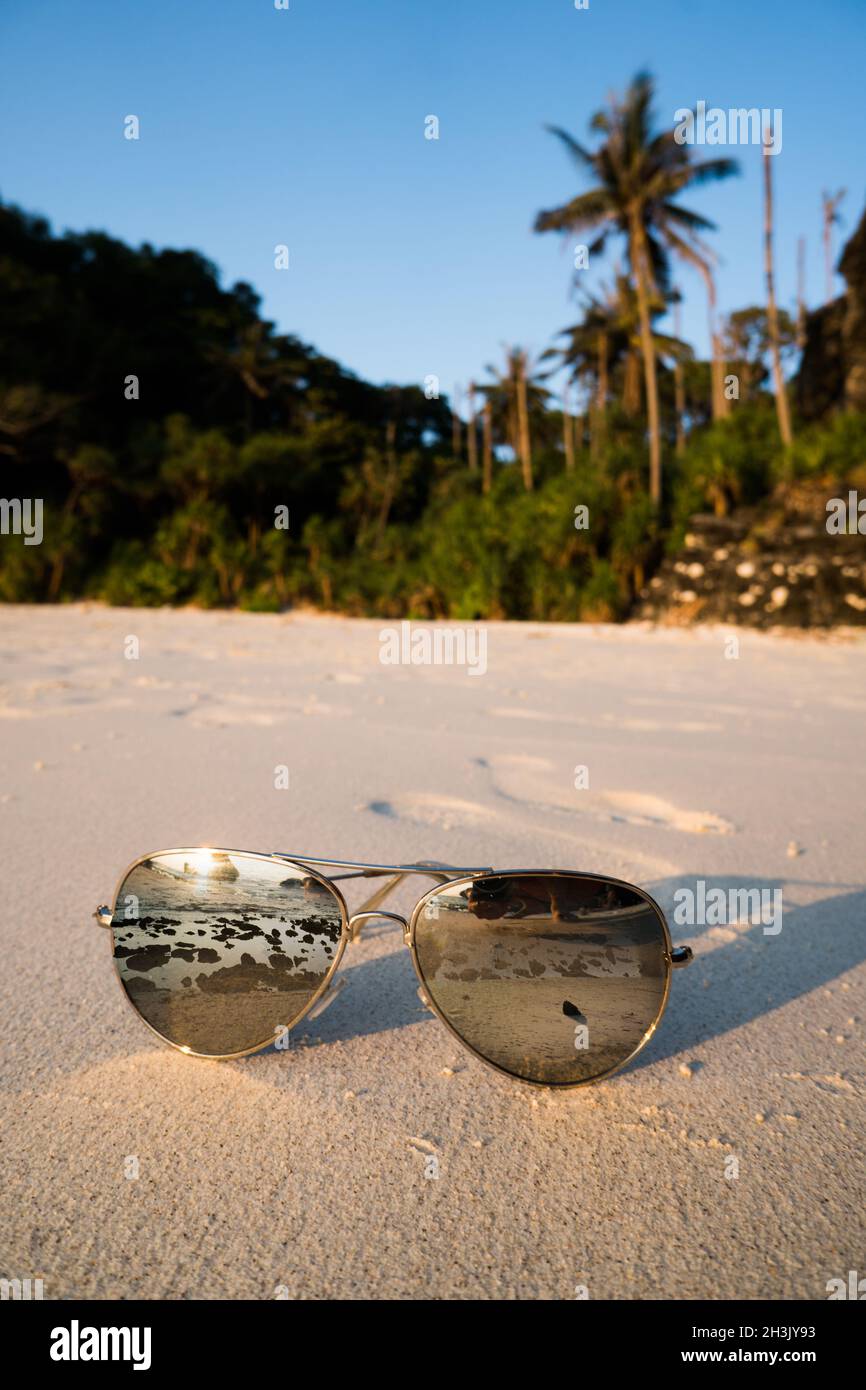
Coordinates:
(306,1169)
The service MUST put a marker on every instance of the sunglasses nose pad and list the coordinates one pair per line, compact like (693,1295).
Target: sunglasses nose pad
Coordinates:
(328,998)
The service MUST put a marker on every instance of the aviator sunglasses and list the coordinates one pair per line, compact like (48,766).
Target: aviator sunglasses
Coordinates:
(555,978)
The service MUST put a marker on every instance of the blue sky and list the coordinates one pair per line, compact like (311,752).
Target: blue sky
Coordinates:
(411,256)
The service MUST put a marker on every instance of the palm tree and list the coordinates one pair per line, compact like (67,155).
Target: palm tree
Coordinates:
(471,430)
(782,410)
(520,375)
(679,386)
(456,426)
(587,356)
(567,430)
(639,175)
(609,338)
(515,396)
(624,309)
(500,401)
(487,459)
(718,404)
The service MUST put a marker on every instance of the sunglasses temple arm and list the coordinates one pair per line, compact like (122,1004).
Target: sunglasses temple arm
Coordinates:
(327,998)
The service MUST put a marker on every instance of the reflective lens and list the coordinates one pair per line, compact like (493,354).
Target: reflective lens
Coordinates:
(220,952)
(555,978)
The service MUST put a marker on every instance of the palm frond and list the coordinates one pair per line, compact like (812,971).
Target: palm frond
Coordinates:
(582,157)
(586,210)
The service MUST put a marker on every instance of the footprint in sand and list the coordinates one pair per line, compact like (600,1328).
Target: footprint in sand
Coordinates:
(423,808)
(253,711)
(535,783)
(620,722)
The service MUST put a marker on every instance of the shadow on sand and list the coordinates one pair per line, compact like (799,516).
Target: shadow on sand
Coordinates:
(747,977)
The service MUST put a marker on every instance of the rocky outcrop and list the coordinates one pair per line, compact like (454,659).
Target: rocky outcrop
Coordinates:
(832,373)
(853,267)
(820,383)
(222,868)
(768,566)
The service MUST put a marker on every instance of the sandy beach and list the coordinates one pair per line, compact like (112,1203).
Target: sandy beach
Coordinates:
(307,1169)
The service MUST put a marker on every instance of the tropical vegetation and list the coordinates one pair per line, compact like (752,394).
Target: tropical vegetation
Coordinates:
(188,452)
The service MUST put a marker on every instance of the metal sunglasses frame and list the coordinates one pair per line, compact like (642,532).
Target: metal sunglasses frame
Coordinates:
(674,956)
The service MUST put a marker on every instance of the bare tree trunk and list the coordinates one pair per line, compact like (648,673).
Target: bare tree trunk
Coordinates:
(638,259)
(487,464)
(801,292)
(523,424)
(567,433)
(782,410)
(472,436)
(830,207)
(827,217)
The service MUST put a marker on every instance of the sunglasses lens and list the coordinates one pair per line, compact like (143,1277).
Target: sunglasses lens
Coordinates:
(555,978)
(221,953)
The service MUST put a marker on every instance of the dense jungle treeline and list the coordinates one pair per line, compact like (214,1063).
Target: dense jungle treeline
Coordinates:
(168,427)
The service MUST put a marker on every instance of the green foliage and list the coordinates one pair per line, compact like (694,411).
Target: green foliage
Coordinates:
(174,497)
(505,555)
(731,462)
(836,449)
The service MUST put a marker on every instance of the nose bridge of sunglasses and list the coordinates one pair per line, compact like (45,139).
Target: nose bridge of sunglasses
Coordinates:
(368,907)
(357,920)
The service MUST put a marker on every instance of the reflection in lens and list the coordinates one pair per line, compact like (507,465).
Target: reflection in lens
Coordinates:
(556,978)
(220,952)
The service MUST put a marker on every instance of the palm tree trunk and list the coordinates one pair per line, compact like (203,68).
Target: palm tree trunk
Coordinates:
(512,414)
(523,425)
(631,384)
(640,267)
(679,389)
(603,387)
(567,433)
(782,410)
(717,366)
(487,458)
(680,408)
(599,431)
(471,435)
